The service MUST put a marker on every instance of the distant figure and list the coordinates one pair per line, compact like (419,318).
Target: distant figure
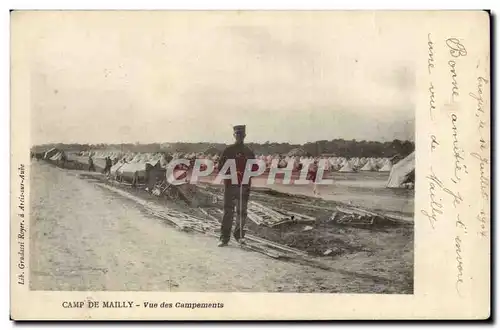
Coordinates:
(311,176)
(163,161)
(299,167)
(91,164)
(64,159)
(107,168)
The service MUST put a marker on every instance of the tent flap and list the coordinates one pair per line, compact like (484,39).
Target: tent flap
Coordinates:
(402,172)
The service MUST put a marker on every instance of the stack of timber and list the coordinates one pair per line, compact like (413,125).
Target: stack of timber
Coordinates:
(208,225)
(271,217)
(263,215)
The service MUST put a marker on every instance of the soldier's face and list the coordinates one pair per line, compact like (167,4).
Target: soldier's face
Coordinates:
(239,137)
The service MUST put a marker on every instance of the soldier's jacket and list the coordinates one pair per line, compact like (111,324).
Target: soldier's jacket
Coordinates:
(240,153)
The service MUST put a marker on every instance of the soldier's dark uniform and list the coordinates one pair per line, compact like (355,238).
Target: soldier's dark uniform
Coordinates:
(91,164)
(235,194)
(109,164)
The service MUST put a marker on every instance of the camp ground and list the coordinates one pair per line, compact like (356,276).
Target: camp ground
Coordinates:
(385,184)
(349,225)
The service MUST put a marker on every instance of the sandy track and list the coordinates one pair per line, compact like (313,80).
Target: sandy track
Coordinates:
(87,238)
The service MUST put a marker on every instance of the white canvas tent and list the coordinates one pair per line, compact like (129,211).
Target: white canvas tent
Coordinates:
(386,167)
(50,153)
(334,165)
(58,156)
(368,167)
(402,172)
(346,168)
(297,152)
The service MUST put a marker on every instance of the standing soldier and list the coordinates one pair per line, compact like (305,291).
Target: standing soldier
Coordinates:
(311,175)
(109,164)
(239,192)
(91,164)
(64,159)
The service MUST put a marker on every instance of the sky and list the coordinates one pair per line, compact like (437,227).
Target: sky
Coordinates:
(125,77)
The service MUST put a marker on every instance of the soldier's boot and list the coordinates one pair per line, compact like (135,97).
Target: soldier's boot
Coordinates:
(222,243)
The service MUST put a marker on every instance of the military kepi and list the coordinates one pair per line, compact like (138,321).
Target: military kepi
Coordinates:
(239,129)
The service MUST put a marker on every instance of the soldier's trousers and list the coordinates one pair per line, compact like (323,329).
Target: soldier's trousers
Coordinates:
(233,197)
(107,170)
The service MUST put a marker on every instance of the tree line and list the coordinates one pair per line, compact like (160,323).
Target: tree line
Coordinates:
(337,147)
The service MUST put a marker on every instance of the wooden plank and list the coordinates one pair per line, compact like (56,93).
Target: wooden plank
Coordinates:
(365,211)
(397,218)
(272,216)
(276,245)
(346,211)
(389,216)
(276,224)
(303,217)
(267,210)
(204,211)
(254,217)
(315,206)
(211,217)
(250,247)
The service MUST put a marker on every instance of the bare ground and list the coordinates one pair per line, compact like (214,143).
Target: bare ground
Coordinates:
(87,238)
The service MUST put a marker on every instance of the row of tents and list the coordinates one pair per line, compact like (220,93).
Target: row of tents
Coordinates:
(401,171)
(340,164)
(52,154)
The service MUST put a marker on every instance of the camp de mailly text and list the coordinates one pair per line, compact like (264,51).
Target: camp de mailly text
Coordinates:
(133,304)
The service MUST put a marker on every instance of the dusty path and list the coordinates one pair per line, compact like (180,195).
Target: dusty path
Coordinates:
(87,238)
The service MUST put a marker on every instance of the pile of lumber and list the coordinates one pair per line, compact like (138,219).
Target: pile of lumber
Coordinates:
(181,220)
(263,215)
(208,225)
(357,216)
(271,216)
(353,216)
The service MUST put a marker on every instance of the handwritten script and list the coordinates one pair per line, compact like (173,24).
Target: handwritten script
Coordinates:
(430,59)
(481,156)
(459,264)
(457,49)
(436,191)
(457,151)
(451,145)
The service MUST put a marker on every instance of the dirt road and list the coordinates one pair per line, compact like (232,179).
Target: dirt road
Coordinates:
(83,237)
